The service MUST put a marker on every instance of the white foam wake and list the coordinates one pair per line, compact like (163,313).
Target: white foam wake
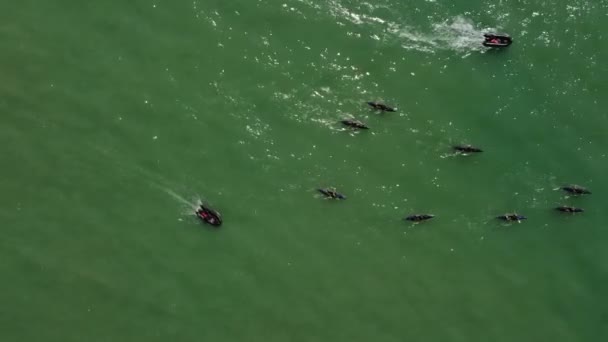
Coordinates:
(457,34)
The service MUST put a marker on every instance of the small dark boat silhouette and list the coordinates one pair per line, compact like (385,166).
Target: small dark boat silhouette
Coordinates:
(576,190)
(354,123)
(419,217)
(330,193)
(512,217)
(209,216)
(497,40)
(568,209)
(381,107)
(467,149)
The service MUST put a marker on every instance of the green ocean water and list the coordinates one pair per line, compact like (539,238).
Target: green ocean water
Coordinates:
(117,117)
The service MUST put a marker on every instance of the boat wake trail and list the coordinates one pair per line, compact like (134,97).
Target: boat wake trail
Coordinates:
(188,207)
(457,34)
(177,196)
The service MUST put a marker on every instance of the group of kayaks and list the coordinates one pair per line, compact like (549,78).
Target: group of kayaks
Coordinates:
(576,190)
(356,124)
(492,40)
(212,217)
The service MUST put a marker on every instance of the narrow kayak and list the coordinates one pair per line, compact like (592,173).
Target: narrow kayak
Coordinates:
(576,190)
(381,107)
(354,124)
(419,217)
(512,217)
(467,149)
(332,194)
(568,209)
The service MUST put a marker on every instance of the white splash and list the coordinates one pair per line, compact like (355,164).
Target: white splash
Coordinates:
(457,34)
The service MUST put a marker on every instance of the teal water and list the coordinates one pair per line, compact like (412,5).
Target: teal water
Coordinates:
(117,117)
